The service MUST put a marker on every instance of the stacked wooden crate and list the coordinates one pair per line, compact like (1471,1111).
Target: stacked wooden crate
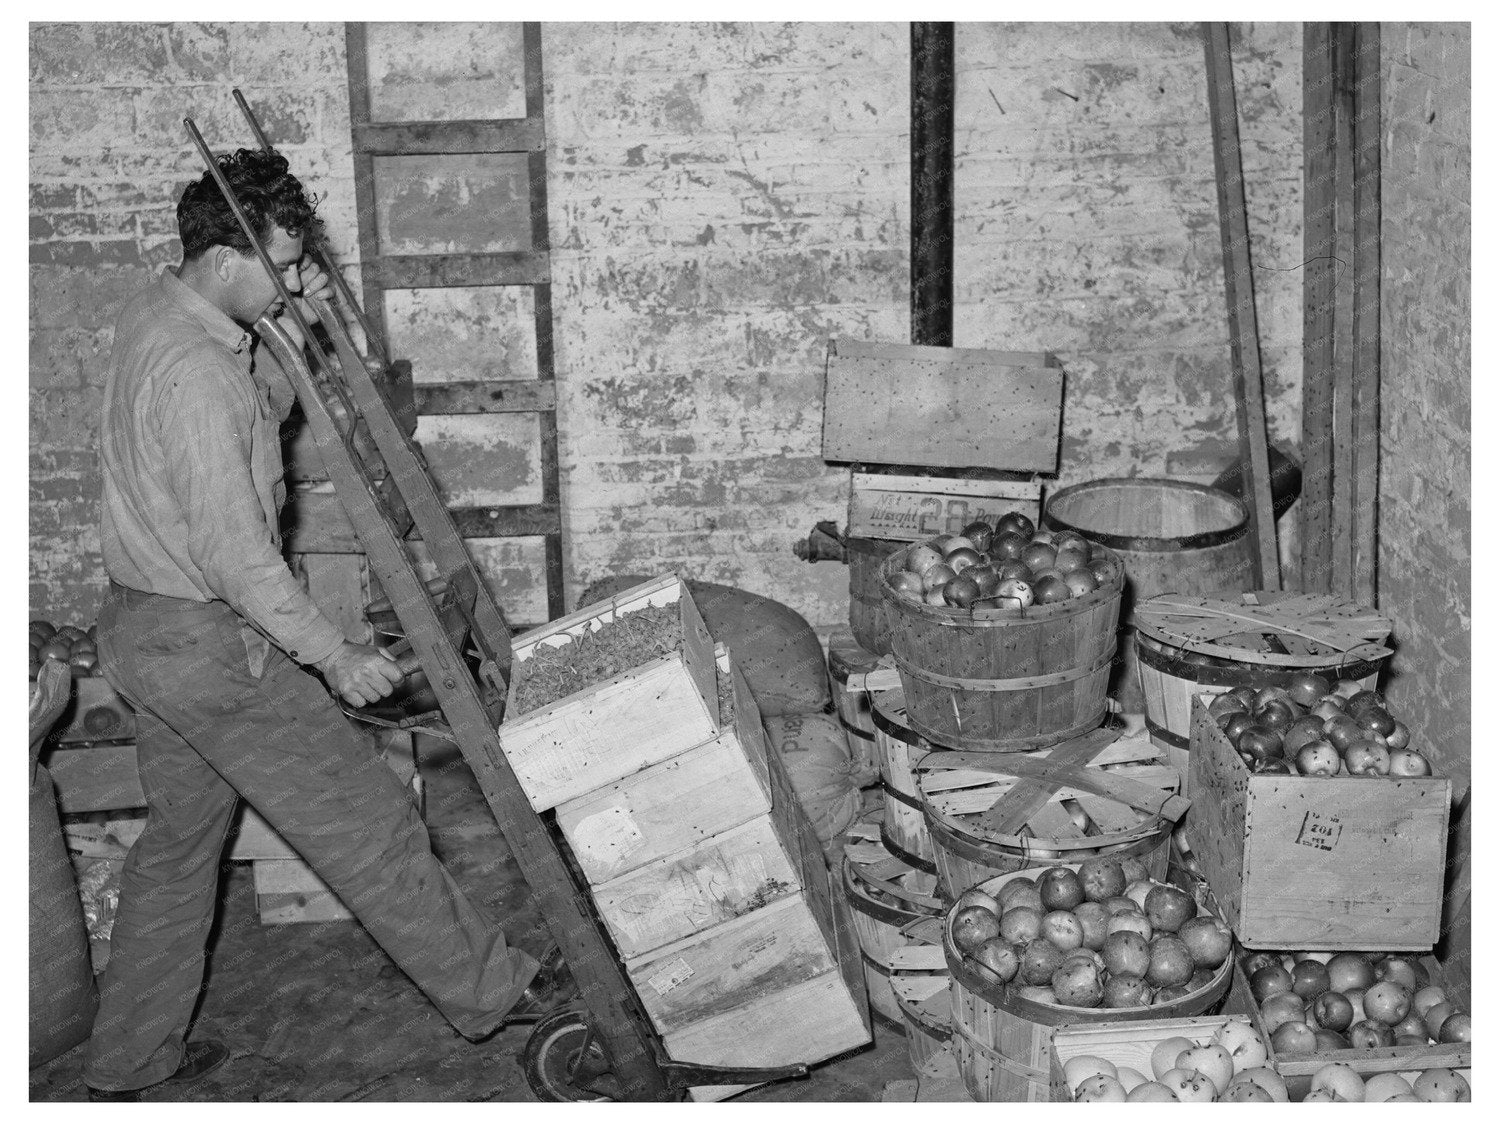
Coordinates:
(702,866)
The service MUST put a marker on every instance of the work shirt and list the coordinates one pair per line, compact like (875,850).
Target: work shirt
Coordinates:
(190,450)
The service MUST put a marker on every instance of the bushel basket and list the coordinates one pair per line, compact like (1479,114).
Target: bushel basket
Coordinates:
(1003,680)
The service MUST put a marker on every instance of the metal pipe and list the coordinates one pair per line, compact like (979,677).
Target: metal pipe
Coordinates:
(932,96)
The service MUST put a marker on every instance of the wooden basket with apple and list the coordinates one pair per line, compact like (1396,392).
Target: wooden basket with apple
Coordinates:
(885,894)
(991,814)
(1001,649)
(1192,645)
(1097,941)
(1316,859)
(1357,1025)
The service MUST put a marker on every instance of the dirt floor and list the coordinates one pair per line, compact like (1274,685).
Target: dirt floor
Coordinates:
(317,1012)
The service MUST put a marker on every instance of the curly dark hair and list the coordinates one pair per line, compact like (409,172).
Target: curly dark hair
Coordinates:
(267,190)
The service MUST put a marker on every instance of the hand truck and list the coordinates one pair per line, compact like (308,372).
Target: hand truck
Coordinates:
(603,1047)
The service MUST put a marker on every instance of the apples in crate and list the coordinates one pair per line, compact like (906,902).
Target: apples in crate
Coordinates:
(1164,1061)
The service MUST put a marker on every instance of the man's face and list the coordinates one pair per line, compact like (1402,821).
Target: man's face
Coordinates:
(250,291)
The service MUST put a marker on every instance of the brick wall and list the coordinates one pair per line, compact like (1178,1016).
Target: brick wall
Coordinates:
(723,198)
(1425,543)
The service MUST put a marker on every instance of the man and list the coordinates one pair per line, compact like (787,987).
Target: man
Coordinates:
(207,634)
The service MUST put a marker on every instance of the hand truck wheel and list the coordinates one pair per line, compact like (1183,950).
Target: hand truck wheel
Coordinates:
(564,1060)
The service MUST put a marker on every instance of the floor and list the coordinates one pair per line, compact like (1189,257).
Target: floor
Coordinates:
(316,1012)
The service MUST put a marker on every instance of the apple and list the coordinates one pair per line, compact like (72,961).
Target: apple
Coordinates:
(1382,1087)
(1088,956)
(1245,1092)
(1189,1086)
(1138,890)
(1127,953)
(1100,1088)
(1000,957)
(1330,1040)
(1060,888)
(1101,877)
(1457,1027)
(1339,1080)
(1245,1045)
(1279,1010)
(1369,1035)
(1387,1002)
(977,897)
(1268,1079)
(1171,962)
(1350,970)
(1062,929)
(1165,1053)
(1213,1061)
(1126,991)
(1319,1096)
(1399,969)
(1079,1069)
(1258,960)
(1435,1016)
(1441,1086)
(1399,737)
(1208,940)
(1093,922)
(1318,759)
(1130,1078)
(1077,984)
(1121,904)
(1270,981)
(1151,1092)
(1425,998)
(1020,924)
(1367,759)
(1039,959)
(1037,994)
(1310,979)
(1135,869)
(1129,923)
(973,925)
(1294,1038)
(1167,908)
(1333,1011)
(1356,997)
(1226,704)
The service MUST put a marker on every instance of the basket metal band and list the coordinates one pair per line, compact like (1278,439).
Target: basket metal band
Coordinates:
(1055,679)
(1157,730)
(927,866)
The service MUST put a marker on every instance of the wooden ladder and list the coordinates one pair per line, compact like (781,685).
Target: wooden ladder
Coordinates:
(531,267)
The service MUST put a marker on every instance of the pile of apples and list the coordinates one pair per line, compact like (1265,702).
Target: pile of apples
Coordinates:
(1227,1065)
(1009,565)
(1337,1083)
(1315,1001)
(1105,935)
(73,646)
(1314,728)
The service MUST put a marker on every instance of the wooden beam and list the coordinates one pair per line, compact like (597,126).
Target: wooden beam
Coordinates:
(435,138)
(1342,526)
(1239,292)
(1319,275)
(1365,425)
(932,97)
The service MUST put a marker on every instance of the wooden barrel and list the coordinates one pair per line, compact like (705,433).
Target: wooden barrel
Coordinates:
(922,994)
(846,657)
(1003,1042)
(1003,680)
(1173,536)
(867,616)
(1172,673)
(885,894)
(899,751)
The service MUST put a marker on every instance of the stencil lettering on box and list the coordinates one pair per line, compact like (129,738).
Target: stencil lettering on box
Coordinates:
(1319,831)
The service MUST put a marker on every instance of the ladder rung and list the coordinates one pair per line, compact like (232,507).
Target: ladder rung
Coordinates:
(443,271)
(494,396)
(508,522)
(435,138)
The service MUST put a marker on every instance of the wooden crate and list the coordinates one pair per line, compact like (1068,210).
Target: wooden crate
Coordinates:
(792,993)
(941,407)
(622,725)
(1124,1043)
(678,803)
(1317,862)
(1298,1069)
(914,508)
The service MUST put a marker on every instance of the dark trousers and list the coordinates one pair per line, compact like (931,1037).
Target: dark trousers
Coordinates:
(211,730)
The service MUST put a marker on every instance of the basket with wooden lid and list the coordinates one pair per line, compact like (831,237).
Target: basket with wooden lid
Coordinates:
(1193,645)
